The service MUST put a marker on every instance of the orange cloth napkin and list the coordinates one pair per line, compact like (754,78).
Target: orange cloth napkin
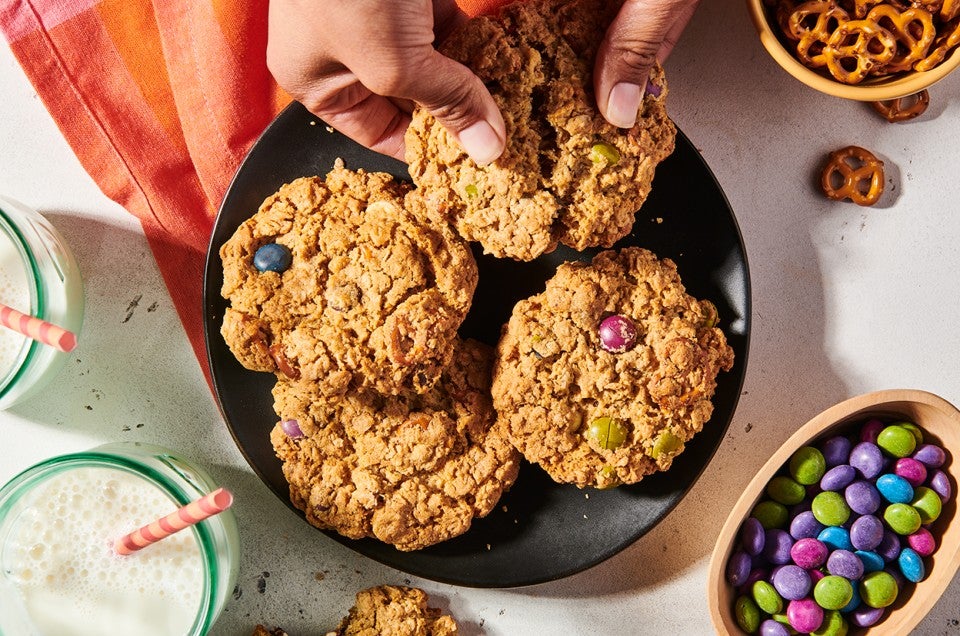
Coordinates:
(160,100)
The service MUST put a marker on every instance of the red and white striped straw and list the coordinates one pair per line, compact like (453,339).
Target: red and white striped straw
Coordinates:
(37,329)
(194,512)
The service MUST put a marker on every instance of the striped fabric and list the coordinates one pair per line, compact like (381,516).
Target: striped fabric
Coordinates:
(160,100)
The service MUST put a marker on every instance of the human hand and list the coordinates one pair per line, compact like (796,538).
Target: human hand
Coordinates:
(360,65)
(643,32)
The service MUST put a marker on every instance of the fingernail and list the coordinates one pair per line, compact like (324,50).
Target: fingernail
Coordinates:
(481,143)
(623,104)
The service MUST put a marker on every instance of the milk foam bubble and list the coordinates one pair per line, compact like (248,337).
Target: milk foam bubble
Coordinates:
(14,292)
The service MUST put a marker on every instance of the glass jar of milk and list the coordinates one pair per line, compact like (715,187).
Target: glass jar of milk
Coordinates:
(59,573)
(39,277)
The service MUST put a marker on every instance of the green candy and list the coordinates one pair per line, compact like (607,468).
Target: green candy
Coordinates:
(927,504)
(747,614)
(897,440)
(830,508)
(807,465)
(607,432)
(902,518)
(786,491)
(767,597)
(832,625)
(878,589)
(832,592)
(783,619)
(770,514)
(913,428)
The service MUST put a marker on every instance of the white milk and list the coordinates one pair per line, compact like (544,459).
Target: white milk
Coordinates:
(60,558)
(14,292)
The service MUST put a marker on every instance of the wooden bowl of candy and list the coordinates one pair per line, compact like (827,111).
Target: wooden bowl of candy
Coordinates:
(866,50)
(850,526)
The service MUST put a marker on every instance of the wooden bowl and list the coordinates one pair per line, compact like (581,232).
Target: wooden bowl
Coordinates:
(870,90)
(940,422)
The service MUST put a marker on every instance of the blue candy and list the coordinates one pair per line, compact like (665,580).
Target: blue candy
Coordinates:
(854,601)
(836,538)
(872,562)
(272,257)
(911,565)
(895,488)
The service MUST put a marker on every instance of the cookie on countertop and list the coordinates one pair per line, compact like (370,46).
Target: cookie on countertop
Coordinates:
(410,470)
(603,406)
(566,175)
(260,630)
(370,297)
(395,610)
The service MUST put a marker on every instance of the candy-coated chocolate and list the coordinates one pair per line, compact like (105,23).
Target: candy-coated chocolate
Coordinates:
(838,477)
(792,582)
(870,430)
(836,538)
(805,525)
(770,514)
(911,565)
(770,627)
(866,533)
(766,597)
(804,615)
(889,548)
(836,450)
(809,553)
(830,508)
(833,625)
(747,614)
(862,497)
(832,592)
(752,536)
(872,562)
(867,458)
(738,568)
(846,564)
(785,490)
(922,542)
(777,544)
(913,428)
(927,504)
(865,616)
(897,441)
(878,589)
(910,469)
(807,465)
(940,484)
(855,600)
(894,488)
(902,518)
(930,455)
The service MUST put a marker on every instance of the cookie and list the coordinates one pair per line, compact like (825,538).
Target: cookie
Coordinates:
(371,296)
(260,630)
(395,610)
(566,175)
(411,470)
(600,407)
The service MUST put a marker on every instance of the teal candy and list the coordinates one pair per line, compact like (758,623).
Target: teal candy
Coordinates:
(747,614)
(771,514)
(903,519)
(766,597)
(872,561)
(911,565)
(832,592)
(807,465)
(879,589)
(836,538)
(897,441)
(833,625)
(830,508)
(785,490)
(894,488)
(927,504)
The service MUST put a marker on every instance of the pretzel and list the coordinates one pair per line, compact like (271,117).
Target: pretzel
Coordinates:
(946,41)
(858,47)
(860,8)
(853,173)
(903,108)
(913,28)
(811,25)
(949,10)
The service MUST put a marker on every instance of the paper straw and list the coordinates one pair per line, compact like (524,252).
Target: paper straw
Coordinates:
(37,329)
(194,512)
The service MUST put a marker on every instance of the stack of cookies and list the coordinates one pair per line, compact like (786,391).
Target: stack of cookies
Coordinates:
(351,288)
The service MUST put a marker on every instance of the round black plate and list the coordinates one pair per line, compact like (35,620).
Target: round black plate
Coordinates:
(541,530)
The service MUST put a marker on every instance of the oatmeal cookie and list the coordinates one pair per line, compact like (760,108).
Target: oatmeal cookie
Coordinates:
(410,470)
(566,175)
(603,377)
(260,630)
(395,610)
(370,296)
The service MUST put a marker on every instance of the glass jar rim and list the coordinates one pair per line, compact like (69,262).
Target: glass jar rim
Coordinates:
(28,479)
(38,298)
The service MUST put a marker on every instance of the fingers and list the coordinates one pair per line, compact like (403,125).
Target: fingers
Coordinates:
(643,32)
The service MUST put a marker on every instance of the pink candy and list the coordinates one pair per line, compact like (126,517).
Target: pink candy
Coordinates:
(922,542)
(809,553)
(911,470)
(805,615)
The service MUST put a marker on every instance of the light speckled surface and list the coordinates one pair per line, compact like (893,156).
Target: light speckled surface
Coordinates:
(845,300)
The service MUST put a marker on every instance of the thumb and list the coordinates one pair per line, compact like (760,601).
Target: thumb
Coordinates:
(643,32)
(459,100)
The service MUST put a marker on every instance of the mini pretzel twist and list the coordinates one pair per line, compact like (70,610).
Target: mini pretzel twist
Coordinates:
(914,30)
(948,40)
(811,24)
(858,47)
(949,10)
(853,173)
(903,108)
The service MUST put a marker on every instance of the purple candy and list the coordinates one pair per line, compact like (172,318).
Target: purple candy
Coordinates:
(836,451)
(870,430)
(865,616)
(809,553)
(910,469)
(777,544)
(922,542)
(931,455)
(756,574)
(738,568)
(792,582)
(838,477)
(771,627)
(805,525)
(862,497)
(752,536)
(804,615)
(940,484)
(889,547)
(846,564)
(866,533)
(867,458)
(897,576)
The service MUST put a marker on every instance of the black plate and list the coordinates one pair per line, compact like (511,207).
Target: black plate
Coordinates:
(541,531)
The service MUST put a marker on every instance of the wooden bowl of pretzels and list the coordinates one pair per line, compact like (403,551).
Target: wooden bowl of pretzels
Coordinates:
(866,50)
